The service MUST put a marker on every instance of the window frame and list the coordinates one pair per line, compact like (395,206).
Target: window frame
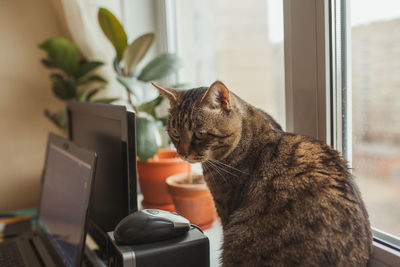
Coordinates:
(167,30)
(317,81)
(307,68)
(319,66)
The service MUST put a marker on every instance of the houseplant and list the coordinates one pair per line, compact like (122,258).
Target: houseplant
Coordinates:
(192,198)
(72,77)
(153,168)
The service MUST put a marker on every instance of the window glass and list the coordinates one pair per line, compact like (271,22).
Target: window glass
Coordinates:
(375,55)
(237,42)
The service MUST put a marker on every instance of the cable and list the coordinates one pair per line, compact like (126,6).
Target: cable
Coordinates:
(195,226)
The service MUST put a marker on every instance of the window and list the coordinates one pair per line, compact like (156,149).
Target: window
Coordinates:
(237,42)
(349,104)
(341,81)
(375,39)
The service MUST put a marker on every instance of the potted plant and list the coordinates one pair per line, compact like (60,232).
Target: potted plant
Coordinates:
(192,198)
(73,78)
(154,165)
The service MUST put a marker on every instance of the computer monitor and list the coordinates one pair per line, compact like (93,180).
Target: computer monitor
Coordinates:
(109,130)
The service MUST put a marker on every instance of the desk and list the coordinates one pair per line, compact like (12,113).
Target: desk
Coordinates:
(214,234)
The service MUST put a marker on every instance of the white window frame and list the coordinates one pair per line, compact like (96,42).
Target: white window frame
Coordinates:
(166,11)
(318,86)
(306,68)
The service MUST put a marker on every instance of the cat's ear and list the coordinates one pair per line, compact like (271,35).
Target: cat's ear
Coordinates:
(170,93)
(217,96)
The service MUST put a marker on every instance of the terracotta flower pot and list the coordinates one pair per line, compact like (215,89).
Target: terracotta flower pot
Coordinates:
(192,201)
(152,176)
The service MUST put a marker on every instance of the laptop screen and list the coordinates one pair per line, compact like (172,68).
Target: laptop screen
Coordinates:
(64,202)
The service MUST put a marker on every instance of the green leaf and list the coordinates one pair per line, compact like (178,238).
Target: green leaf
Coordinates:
(148,136)
(141,92)
(163,120)
(93,78)
(149,107)
(49,63)
(63,89)
(105,100)
(113,30)
(160,67)
(135,52)
(93,93)
(62,54)
(83,96)
(56,77)
(86,67)
(59,118)
(117,68)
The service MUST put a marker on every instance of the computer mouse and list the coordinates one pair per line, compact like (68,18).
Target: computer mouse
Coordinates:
(150,225)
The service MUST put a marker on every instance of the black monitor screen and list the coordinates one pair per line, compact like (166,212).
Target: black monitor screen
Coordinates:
(64,200)
(105,129)
(103,135)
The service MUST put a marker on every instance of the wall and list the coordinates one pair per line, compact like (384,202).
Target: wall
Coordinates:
(25,91)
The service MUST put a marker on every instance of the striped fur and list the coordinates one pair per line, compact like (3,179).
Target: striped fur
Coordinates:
(283,199)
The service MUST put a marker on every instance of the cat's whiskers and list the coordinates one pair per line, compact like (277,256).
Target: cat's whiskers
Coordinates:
(223,168)
(206,167)
(213,167)
(228,166)
(209,168)
(219,169)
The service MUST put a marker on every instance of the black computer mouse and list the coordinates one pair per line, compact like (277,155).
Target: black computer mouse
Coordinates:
(150,225)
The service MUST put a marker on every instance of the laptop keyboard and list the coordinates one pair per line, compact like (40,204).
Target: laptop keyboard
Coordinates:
(10,255)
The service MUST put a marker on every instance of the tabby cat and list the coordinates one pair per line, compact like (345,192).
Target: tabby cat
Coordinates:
(284,199)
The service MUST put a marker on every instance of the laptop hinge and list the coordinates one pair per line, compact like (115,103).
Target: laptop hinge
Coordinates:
(43,252)
(27,252)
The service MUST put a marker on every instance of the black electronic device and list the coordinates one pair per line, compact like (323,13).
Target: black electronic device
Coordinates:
(191,249)
(59,238)
(150,225)
(110,131)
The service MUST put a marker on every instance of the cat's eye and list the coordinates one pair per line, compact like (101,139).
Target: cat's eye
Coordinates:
(174,133)
(200,134)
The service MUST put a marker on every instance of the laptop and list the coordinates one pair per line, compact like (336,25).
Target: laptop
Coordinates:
(59,236)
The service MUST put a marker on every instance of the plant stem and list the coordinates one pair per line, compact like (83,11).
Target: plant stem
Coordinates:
(190,176)
(131,103)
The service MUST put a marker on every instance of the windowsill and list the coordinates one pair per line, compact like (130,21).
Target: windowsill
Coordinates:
(214,234)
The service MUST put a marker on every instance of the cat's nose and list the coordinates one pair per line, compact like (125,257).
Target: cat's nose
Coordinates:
(185,153)
(183,150)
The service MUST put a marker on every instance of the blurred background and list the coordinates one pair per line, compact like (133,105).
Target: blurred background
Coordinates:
(375,50)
